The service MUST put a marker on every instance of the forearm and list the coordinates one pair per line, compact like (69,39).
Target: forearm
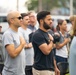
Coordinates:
(60,45)
(55,63)
(49,47)
(17,51)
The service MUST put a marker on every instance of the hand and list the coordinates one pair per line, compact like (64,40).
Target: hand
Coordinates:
(29,45)
(51,38)
(22,41)
(57,71)
(67,40)
(56,34)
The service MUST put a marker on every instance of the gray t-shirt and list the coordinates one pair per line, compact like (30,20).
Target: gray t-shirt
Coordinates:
(1,54)
(29,53)
(13,66)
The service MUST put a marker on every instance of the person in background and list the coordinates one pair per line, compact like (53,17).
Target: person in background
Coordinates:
(1,53)
(72,18)
(61,46)
(44,61)
(72,55)
(0,28)
(29,53)
(13,46)
(33,21)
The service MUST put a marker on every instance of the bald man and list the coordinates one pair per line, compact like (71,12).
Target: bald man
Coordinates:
(13,46)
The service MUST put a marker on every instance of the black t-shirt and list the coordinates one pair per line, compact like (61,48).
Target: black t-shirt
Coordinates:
(52,33)
(42,61)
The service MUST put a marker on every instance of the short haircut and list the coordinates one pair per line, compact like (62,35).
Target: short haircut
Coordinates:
(42,15)
(31,12)
(23,15)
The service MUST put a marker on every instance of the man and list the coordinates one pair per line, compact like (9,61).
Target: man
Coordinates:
(33,21)
(13,44)
(29,53)
(44,61)
(1,54)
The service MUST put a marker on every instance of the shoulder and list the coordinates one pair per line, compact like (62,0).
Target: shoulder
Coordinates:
(37,34)
(6,33)
(29,30)
(20,29)
(29,26)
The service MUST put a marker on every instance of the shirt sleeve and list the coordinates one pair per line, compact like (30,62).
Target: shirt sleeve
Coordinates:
(38,39)
(7,39)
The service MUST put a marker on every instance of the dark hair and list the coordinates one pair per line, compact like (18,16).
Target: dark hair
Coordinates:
(23,15)
(60,22)
(42,15)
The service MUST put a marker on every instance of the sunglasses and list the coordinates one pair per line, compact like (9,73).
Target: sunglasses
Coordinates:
(19,18)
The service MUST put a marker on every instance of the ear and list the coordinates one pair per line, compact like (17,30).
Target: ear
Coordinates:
(11,20)
(41,21)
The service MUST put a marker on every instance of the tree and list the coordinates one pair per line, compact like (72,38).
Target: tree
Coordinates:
(32,4)
(46,4)
(38,5)
(74,6)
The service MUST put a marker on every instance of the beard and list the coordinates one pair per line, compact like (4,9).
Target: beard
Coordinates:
(46,26)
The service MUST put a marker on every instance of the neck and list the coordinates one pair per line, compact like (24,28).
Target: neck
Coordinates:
(24,27)
(63,32)
(43,29)
(14,28)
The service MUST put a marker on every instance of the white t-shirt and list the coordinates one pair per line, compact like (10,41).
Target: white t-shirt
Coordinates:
(29,53)
(63,52)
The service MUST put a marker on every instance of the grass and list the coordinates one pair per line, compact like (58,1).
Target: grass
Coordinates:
(68,74)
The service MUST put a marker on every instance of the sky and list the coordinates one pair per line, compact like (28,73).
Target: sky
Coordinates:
(12,5)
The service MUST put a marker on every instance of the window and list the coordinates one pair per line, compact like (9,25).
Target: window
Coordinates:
(3,19)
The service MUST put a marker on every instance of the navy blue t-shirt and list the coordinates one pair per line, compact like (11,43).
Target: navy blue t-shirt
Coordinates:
(42,61)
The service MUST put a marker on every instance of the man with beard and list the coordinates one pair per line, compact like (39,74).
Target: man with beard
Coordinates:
(44,61)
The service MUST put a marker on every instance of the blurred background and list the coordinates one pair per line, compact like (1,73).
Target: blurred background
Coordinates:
(60,9)
(56,7)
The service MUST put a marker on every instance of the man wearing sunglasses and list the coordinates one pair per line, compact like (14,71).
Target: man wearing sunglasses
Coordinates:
(13,44)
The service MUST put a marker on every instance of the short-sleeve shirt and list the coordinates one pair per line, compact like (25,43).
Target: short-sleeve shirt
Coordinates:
(13,66)
(29,53)
(42,61)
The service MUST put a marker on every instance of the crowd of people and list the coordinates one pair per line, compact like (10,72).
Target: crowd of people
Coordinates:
(31,51)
